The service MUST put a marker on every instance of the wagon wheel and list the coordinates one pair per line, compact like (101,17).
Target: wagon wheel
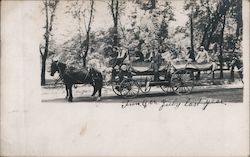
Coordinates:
(129,88)
(182,81)
(145,88)
(166,89)
(116,88)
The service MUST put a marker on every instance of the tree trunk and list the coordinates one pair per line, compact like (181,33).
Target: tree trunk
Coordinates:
(221,48)
(192,32)
(232,73)
(44,56)
(43,82)
(115,19)
(205,35)
(153,4)
(88,34)
(206,29)
(238,30)
(239,21)
(222,10)
(86,51)
(84,61)
(115,33)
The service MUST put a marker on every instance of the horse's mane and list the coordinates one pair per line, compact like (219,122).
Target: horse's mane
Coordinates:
(70,68)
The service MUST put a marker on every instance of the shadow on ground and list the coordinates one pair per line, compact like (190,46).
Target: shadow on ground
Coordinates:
(226,95)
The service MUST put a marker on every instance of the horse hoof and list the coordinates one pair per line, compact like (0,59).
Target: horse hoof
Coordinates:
(98,99)
(69,100)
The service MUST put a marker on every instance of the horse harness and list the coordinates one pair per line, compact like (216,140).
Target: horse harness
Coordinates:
(61,75)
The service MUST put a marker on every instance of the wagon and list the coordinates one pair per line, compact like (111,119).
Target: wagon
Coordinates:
(177,77)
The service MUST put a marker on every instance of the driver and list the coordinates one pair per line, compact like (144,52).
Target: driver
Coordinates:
(120,59)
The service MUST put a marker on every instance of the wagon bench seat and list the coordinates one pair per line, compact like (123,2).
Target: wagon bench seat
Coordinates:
(193,66)
(147,69)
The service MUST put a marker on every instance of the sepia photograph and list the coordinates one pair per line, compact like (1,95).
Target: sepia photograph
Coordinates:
(125,78)
(140,50)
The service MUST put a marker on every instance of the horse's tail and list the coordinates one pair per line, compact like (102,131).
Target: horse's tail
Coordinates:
(97,75)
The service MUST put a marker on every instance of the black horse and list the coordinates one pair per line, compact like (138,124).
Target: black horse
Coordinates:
(71,76)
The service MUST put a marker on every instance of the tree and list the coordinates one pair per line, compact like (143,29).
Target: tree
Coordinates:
(88,29)
(85,15)
(147,30)
(213,21)
(221,43)
(207,16)
(191,32)
(114,8)
(236,13)
(191,7)
(50,9)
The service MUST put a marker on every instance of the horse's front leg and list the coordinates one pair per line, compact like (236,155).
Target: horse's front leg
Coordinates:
(70,93)
(67,93)
(100,94)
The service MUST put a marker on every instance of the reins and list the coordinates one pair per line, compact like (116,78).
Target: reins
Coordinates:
(58,80)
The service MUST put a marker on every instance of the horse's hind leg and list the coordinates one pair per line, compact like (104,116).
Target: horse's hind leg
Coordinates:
(70,93)
(94,92)
(67,93)
(99,87)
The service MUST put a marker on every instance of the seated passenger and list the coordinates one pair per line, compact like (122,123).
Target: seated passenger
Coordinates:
(190,55)
(202,56)
(139,55)
(121,56)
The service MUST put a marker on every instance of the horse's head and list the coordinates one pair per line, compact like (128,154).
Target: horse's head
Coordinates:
(54,68)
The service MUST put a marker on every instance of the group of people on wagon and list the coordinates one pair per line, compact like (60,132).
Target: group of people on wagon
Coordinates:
(156,58)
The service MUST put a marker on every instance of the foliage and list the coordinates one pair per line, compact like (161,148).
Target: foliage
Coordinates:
(213,22)
(84,13)
(146,30)
(143,27)
(208,21)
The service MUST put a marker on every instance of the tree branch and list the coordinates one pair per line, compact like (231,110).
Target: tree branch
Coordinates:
(53,14)
(85,25)
(112,9)
(91,15)
(41,53)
